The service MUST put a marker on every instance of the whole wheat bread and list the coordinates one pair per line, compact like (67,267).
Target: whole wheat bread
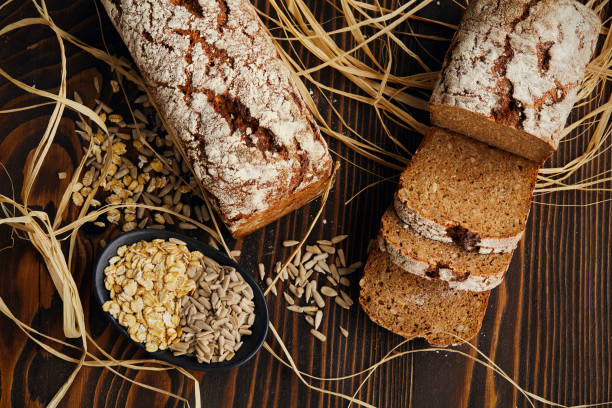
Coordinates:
(457,189)
(230,103)
(512,72)
(437,260)
(415,307)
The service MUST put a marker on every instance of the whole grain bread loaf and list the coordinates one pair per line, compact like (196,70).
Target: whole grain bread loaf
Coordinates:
(415,307)
(512,73)
(457,189)
(230,103)
(437,260)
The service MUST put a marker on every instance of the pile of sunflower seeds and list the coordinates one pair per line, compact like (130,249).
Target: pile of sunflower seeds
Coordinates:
(216,316)
(316,275)
(137,175)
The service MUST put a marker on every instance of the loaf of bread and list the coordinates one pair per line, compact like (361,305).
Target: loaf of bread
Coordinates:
(415,307)
(457,189)
(230,102)
(437,260)
(512,73)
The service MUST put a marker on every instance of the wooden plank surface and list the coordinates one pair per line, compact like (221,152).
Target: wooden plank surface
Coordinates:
(548,326)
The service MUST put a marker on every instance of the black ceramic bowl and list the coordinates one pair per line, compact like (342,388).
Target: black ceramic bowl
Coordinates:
(251,344)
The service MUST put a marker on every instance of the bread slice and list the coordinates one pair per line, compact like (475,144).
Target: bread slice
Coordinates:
(415,307)
(513,71)
(440,260)
(457,189)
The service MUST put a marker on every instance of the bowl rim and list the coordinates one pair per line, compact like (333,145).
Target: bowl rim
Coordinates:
(101,294)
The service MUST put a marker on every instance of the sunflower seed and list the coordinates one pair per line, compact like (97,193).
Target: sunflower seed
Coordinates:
(198,213)
(313,249)
(327,291)
(344,271)
(306,257)
(310,264)
(288,298)
(318,335)
(205,214)
(290,243)
(297,260)
(308,293)
(341,303)
(309,320)
(140,116)
(272,287)
(341,257)
(187,226)
(143,223)
(262,271)
(293,290)
(141,99)
(327,248)
(318,299)
(346,298)
(338,238)
(343,331)
(318,318)
(323,266)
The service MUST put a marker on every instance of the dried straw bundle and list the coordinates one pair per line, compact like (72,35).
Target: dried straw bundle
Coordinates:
(395,97)
(388,94)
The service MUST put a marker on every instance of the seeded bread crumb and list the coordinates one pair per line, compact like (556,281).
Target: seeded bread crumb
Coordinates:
(440,260)
(415,307)
(457,189)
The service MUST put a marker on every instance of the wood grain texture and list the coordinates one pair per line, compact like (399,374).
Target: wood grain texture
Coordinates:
(548,326)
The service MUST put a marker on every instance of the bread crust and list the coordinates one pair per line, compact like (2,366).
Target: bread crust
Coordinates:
(515,64)
(230,103)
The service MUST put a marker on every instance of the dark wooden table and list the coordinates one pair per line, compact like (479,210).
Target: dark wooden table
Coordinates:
(548,326)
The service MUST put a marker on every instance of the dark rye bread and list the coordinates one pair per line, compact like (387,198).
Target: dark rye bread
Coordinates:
(437,260)
(457,189)
(415,307)
(513,71)
(229,102)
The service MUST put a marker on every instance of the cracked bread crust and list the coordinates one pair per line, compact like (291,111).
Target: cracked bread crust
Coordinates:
(517,64)
(414,307)
(230,102)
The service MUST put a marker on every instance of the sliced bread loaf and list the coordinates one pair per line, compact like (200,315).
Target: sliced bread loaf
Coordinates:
(440,260)
(415,307)
(458,189)
(513,71)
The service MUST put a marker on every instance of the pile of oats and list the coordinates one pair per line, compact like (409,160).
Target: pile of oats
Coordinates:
(147,281)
